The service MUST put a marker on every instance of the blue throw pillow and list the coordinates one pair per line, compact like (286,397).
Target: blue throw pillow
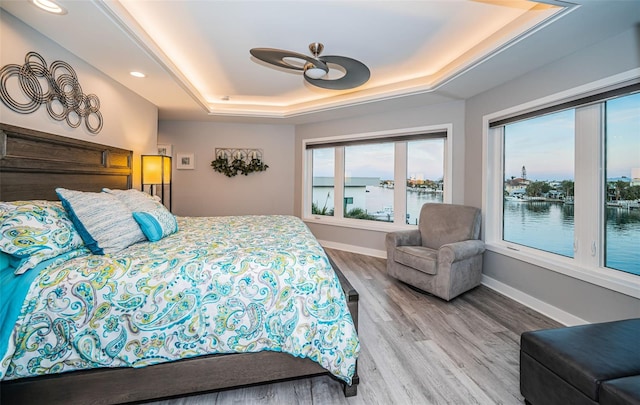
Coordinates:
(156,224)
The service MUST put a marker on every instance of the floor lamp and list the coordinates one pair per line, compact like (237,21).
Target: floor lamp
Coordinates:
(156,171)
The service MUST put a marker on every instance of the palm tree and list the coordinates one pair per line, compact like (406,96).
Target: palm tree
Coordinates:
(537,188)
(323,210)
(568,186)
(620,186)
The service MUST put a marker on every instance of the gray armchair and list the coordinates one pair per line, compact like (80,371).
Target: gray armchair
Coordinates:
(444,255)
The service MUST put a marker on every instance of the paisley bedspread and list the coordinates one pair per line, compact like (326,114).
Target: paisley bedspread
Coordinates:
(219,285)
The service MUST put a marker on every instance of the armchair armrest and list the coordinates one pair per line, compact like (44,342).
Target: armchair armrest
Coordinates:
(453,252)
(404,238)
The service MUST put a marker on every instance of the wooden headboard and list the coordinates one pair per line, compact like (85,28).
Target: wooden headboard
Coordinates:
(34,163)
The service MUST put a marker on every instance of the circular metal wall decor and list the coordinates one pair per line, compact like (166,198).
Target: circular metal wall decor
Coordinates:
(63,98)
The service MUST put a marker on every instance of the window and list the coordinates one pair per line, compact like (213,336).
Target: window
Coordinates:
(563,187)
(376,178)
(322,186)
(622,170)
(538,164)
(425,175)
(368,170)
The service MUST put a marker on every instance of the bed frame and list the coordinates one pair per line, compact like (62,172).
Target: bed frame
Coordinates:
(32,165)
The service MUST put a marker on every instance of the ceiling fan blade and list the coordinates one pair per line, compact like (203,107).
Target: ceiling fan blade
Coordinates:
(277,57)
(357,74)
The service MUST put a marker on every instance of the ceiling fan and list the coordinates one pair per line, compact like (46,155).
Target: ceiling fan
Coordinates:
(315,69)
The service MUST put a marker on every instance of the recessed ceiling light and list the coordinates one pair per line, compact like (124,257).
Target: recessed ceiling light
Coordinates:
(137,74)
(49,6)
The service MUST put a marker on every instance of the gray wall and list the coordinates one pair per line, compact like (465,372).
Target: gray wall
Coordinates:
(445,113)
(581,299)
(205,192)
(129,121)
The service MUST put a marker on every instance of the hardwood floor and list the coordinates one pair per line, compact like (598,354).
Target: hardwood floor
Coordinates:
(415,348)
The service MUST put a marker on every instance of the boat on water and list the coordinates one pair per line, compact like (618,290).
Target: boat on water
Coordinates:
(515,198)
(627,204)
(385,214)
(527,199)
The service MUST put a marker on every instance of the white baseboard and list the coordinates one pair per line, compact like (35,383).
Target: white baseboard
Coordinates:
(545,309)
(354,249)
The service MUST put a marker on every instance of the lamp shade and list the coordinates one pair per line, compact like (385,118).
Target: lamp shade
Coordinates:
(156,169)
(156,173)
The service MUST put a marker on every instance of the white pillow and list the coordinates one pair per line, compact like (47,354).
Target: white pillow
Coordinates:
(135,200)
(105,223)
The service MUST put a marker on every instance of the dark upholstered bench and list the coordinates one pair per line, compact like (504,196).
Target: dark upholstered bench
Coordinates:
(586,364)
(621,391)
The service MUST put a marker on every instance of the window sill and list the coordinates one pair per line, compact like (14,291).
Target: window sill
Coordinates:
(362,224)
(614,280)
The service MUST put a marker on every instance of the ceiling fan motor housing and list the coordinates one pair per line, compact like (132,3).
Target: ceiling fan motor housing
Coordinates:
(316,48)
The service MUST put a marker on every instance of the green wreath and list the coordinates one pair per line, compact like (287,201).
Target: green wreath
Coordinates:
(222,165)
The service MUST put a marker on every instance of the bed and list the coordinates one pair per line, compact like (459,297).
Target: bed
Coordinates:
(33,164)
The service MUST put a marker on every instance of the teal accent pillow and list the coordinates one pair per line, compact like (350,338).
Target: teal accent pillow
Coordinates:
(34,231)
(104,223)
(156,224)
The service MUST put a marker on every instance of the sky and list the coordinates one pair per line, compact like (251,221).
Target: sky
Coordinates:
(425,160)
(545,145)
(369,161)
(623,135)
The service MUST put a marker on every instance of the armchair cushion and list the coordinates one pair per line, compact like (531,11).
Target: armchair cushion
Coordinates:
(446,223)
(418,257)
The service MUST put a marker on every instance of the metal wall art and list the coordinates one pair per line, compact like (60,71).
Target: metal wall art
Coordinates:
(231,161)
(63,97)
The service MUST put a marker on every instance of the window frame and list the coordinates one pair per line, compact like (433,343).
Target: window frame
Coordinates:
(583,266)
(399,175)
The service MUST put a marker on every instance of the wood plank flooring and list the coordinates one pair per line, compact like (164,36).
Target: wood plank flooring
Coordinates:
(415,348)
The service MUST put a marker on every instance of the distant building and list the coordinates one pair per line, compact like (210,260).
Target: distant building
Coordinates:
(635,176)
(517,186)
(355,189)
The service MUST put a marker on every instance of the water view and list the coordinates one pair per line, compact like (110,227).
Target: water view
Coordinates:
(549,226)
(380,200)
(373,202)
(543,164)
(544,225)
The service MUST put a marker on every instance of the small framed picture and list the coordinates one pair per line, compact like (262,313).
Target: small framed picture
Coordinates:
(165,149)
(185,161)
